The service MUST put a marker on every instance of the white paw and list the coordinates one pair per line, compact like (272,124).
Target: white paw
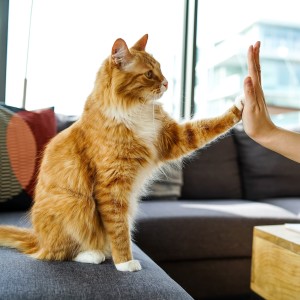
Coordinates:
(129,266)
(90,257)
(239,102)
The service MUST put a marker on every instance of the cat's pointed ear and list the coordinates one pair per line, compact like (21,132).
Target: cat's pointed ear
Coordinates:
(140,45)
(120,53)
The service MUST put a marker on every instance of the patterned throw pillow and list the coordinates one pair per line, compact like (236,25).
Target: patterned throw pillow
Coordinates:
(23,136)
(167,185)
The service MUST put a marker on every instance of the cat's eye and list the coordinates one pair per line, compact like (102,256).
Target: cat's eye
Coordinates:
(149,74)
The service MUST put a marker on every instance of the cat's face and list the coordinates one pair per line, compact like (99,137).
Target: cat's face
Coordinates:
(136,73)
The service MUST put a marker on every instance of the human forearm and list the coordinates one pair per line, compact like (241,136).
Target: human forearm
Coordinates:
(284,142)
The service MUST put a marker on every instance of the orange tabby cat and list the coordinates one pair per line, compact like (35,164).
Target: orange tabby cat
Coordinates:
(92,173)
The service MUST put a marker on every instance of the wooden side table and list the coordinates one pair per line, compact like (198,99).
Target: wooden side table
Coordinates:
(276,263)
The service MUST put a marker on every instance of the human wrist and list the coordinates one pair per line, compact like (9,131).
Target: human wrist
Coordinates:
(269,137)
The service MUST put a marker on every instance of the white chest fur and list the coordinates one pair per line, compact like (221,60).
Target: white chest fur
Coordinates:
(144,123)
(140,119)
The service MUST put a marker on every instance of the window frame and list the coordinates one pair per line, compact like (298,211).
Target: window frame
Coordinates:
(189,59)
(4,10)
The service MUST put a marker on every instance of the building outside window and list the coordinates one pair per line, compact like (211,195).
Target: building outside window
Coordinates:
(222,66)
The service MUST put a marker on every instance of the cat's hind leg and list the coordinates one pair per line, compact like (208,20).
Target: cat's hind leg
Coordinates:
(84,226)
(90,257)
(76,234)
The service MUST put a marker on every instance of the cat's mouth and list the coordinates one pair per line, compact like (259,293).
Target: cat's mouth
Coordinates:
(161,90)
(158,93)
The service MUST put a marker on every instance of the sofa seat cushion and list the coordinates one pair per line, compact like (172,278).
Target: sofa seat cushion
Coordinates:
(25,278)
(191,230)
(290,204)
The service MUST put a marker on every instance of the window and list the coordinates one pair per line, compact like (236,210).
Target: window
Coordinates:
(70,39)
(201,45)
(225,29)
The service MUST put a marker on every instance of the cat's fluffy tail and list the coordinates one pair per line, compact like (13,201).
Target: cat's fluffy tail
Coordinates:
(22,239)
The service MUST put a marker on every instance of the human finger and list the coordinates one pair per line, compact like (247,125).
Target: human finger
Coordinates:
(252,67)
(256,50)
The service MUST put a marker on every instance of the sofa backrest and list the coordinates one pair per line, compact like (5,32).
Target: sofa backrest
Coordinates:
(235,166)
(264,173)
(213,172)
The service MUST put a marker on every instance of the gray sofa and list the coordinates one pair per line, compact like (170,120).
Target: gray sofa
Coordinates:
(27,279)
(203,240)
(192,243)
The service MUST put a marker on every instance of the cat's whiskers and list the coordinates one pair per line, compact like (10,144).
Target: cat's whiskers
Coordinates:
(153,113)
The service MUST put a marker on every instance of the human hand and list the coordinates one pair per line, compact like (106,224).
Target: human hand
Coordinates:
(256,119)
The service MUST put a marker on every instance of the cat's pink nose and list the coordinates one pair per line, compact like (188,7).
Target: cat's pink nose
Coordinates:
(165,83)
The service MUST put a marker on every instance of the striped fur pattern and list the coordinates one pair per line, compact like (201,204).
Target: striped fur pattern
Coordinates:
(93,172)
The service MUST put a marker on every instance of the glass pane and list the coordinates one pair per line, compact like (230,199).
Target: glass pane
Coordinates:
(70,39)
(225,30)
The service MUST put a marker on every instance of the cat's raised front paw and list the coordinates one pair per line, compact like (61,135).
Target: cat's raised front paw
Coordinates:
(129,266)
(239,102)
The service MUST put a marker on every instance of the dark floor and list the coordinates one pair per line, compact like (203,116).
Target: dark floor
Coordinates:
(252,296)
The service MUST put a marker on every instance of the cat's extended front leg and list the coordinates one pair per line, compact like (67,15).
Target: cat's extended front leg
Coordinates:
(178,140)
(115,216)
